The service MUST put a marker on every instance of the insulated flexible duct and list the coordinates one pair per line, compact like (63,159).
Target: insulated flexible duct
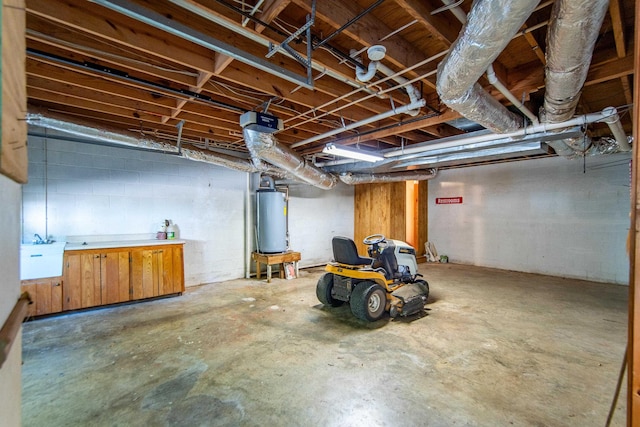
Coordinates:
(490,26)
(573,30)
(365,178)
(104,135)
(266,147)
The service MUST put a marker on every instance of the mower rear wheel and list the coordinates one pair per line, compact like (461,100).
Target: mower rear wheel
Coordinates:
(368,301)
(323,291)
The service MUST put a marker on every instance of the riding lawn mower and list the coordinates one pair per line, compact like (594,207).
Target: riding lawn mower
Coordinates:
(386,281)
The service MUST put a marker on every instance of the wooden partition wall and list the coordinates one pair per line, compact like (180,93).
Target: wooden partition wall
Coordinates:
(384,209)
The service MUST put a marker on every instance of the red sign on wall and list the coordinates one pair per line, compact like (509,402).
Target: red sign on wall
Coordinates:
(448,200)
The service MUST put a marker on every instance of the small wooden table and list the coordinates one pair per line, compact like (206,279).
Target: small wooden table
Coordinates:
(271,259)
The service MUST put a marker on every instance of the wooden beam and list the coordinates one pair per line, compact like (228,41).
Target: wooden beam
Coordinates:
(110,26)
(610,70)
(633,343)
(368,31)
(617,22)
(203,77)
(396,130)
(535,46)
(270,10)
(437,25)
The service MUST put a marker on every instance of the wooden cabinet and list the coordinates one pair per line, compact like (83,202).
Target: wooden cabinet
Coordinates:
(46,295)
(157,271)
(93,278)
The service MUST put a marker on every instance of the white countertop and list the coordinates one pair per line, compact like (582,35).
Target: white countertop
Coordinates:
(78,246)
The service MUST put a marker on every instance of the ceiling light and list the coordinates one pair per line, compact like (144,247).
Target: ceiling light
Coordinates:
(352,153)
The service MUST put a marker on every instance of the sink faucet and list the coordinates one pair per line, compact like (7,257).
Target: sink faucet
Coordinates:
(37,240)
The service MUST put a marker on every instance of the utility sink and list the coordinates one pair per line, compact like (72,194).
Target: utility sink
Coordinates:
(38,261)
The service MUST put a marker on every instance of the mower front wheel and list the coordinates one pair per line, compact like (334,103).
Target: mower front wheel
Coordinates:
(323,291)
(368,301)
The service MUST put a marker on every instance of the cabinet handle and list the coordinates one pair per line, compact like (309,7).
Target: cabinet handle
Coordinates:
(97,256)
(57,284)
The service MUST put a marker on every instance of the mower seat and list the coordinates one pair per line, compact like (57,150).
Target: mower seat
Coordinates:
(345,252)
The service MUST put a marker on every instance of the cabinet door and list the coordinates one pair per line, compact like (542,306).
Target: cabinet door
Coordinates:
(72,289)
(114,273)
(30,287)
(46,295)
(144,282)
(90,280)
(178,269)
(164,264)
(81,281)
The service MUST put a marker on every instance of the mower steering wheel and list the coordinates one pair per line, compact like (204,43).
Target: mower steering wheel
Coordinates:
(374,239)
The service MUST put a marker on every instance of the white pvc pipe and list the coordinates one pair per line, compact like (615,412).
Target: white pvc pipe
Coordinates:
(364,76)
(613,121)
(493,79)
(390,113)
(413,93)
(542,127)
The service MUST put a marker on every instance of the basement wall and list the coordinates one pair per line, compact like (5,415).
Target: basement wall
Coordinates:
(315,217)
(80,190)
(10,373)
(541,216)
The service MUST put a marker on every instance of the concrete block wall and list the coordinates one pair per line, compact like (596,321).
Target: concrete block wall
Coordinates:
(315,216)
(79,191)
(94,190)
(541,216)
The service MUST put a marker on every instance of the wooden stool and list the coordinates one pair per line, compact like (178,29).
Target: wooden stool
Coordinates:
(271,259)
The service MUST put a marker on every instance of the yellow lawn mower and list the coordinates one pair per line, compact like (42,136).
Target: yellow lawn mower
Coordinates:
(386,281)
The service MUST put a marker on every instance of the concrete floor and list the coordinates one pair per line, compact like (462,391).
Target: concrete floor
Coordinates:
(496,348)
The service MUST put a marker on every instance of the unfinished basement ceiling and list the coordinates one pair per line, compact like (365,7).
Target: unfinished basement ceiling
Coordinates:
(185,70)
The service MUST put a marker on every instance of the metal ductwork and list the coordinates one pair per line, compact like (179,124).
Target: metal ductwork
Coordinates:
(573,31)
(266,147)
(365,178)
(106,136)
(490,26)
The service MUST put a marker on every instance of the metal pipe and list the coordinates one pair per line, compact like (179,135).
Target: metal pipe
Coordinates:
(181,94)
(365,178)
(381,116)
(456,141)
(255,8)
(348,24)
(260,39)
(247,228)
(159,21)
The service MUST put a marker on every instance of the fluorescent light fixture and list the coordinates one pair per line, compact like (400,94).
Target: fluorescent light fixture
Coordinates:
(352,153)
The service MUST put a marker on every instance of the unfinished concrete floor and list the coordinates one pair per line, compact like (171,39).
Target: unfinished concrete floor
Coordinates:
(496,348)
